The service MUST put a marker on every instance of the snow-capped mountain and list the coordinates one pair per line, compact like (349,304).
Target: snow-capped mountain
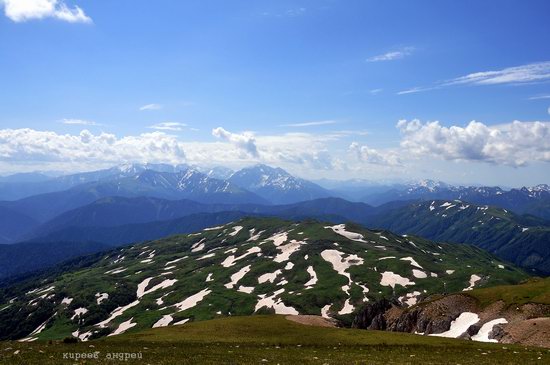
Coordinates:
(526,200)
(277,185)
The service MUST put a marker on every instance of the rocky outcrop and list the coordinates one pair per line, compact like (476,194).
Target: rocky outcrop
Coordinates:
(372,315)
(527,324)
(434,316)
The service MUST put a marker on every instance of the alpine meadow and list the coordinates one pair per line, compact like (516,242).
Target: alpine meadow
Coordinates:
(274,182)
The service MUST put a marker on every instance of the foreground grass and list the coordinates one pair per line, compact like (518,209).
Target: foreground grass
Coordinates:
(271,340)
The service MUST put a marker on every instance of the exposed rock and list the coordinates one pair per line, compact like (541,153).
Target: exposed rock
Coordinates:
(372,315)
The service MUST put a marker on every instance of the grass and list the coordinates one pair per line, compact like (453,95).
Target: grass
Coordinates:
(273,340)
(535,291)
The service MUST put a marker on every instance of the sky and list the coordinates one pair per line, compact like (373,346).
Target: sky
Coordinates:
(457,91)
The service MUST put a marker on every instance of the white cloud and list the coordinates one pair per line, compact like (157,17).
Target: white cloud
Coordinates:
(539,97)
(244,141)
(168,126)
(151,107)
(393,55)
(71,121)
(530,73)
(372,156)
(310,124)
(24,10)
(513,144)
(46,147)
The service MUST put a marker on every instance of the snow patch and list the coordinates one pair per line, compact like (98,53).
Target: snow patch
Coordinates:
(483,334)
(460,325)
(341,230)
(193,300)
(391,279)
(164,321)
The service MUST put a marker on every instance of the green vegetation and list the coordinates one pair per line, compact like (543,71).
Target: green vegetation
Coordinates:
(533,291)
(174,269)
(272,340)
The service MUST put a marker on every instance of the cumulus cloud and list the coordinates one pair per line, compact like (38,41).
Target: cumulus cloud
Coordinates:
(310,124)
(151,107)
(24,10)
(529,73)
(369,155)
(168,126)
(32,146)
(393,55)
(244,141)
(514,144)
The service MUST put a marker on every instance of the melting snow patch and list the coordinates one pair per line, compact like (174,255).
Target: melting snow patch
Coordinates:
(231,260)
(483,334)
(237,276)
(410,299)
(460,325)
(246,289)
(176,260)
(289,265)
(193,300)
(199,246)
(270,276)
(449,272)
(164,321)
(324,311)
(78,312)
(236,230)
(67,300)
(419,274)
(412,261)
(277,305)
(123,327)
(473,280)
(279,238)
(209,278)
(391,279)
(287,250)
(254,237)
(313,279)
(117,312)
(347,309)
(207,256)
(141,286)
(386,258)
(183,321)
(213,228)
(341,230)
(100,297)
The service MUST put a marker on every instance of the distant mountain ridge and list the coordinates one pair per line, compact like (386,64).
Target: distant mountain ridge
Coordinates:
(523,240)
(276,185)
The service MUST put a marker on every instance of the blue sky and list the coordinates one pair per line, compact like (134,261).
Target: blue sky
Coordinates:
(317,87)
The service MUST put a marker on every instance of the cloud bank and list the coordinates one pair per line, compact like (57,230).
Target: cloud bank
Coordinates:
(513,144)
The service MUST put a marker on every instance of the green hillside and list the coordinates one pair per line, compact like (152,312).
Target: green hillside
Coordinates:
(260,266)
(523,240)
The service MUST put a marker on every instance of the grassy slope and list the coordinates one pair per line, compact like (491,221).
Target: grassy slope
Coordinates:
(533,291)
(274,340)
(81,285)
